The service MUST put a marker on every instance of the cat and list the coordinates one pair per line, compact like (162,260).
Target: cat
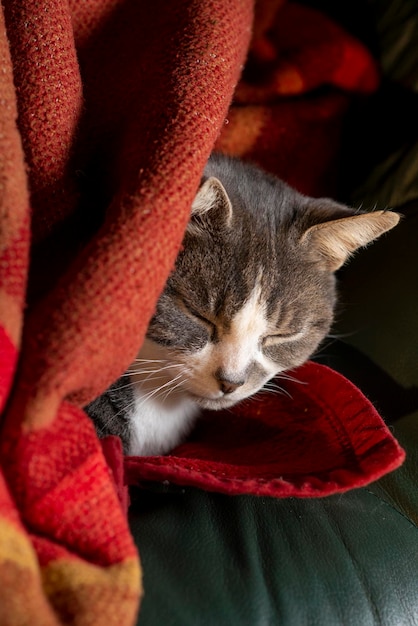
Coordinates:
(252,294)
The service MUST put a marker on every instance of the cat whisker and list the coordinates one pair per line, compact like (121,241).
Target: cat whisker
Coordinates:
(150,363)
(270,387)
(325,346)
(150,376)
(156,391)
(139,371)
(124,409)
(322,356)
(173,390)
(271,390)
(150,360)
(292,379)
(341,335)
(156,368)
(135,383)
(152,371)
(272,384)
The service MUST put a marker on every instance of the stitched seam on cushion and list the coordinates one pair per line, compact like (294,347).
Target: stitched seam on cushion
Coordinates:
(392,506)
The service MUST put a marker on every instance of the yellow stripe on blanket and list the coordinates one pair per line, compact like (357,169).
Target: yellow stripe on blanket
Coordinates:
(22,599)
(78,588)
(73,587)
(15,547)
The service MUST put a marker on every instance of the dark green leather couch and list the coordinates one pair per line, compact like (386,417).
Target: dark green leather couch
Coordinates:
(352,559)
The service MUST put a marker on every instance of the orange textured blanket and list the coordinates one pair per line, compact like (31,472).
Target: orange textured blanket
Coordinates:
(109,110)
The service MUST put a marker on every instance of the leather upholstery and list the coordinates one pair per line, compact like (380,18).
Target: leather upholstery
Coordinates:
(218,560)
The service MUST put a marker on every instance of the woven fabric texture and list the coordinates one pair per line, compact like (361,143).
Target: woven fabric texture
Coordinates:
(108,113)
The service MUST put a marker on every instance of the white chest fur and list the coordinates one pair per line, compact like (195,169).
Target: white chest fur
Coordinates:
(157,427)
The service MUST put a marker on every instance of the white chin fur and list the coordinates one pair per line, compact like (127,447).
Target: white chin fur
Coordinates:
(216,404)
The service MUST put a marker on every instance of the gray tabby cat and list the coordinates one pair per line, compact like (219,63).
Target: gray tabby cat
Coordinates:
(252,294)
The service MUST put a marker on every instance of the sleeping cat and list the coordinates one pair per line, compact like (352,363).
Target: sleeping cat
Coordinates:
(252,294)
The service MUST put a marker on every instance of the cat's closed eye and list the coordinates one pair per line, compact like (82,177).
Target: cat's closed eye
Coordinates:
(272,340)
(200,317)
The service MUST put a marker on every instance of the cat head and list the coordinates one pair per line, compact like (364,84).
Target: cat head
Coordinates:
(253,290)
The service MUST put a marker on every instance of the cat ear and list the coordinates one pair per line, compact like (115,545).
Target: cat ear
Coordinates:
(333,242)
(210,204)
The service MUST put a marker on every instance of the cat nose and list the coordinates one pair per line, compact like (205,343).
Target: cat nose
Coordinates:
(227,385)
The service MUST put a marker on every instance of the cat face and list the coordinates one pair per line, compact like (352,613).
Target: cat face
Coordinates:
(234,356)
(253,290)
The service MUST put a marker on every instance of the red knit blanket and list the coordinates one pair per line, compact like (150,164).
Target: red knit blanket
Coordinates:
(109,110)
